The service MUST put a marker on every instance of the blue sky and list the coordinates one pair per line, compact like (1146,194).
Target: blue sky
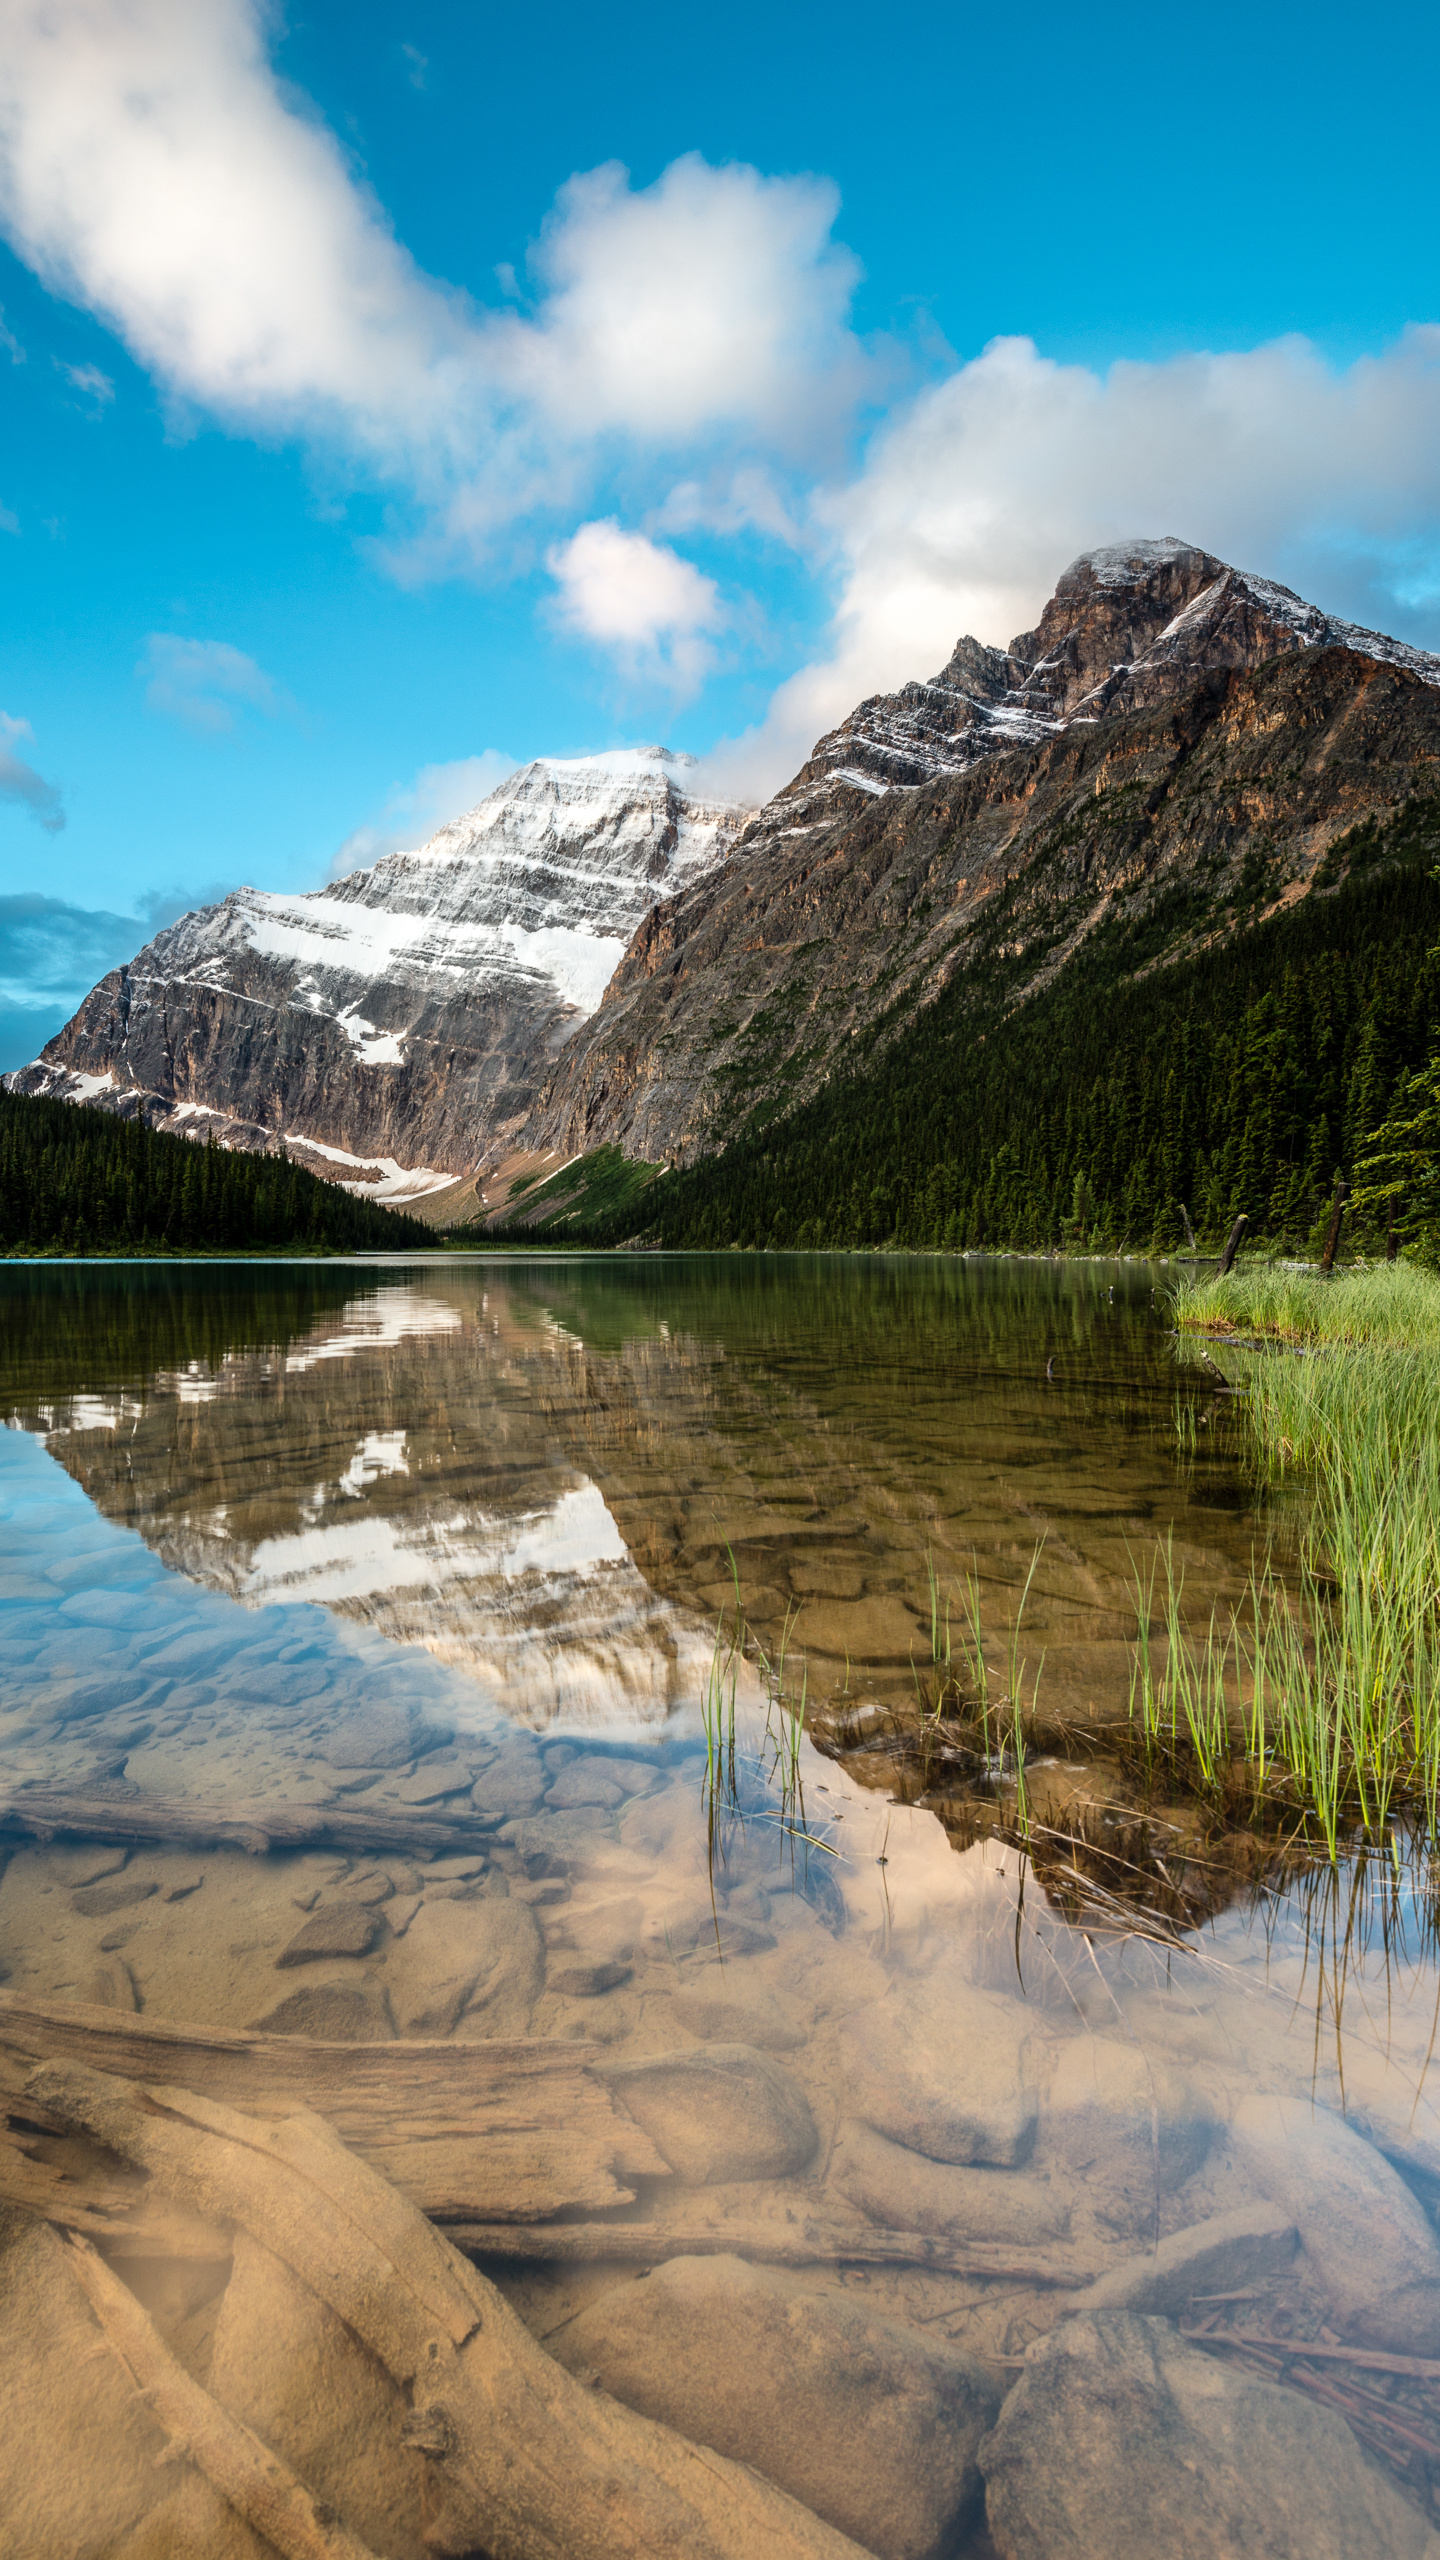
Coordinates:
(391,393)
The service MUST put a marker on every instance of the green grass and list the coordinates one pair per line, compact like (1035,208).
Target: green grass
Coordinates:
(1389,1304)
(1328,1684)
(598,1185)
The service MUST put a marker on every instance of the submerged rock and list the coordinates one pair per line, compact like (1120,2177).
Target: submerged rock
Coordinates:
(718,2111)
(99,1901)
(1370,2244)
(285,2365)
(596,1779)
(1222,2254)
(719,2019)
(872,2425)
(512,1783)
(333,2012)
(1120,2439)
(904,2191)
(336,1929)
(1126,2125)
(588,1981)
(942,2069)
(482,1961)
(380,1736)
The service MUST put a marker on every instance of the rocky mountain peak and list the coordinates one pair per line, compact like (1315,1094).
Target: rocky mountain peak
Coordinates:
(1129,625)
(389,1025)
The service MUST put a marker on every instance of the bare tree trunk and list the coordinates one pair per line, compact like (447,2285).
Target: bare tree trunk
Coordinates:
(1337,1216)
(1232,1244)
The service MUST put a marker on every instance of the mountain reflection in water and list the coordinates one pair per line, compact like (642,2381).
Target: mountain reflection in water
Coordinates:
(551,1473)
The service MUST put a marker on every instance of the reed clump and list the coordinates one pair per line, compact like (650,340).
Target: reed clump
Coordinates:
(1327,1682)
(1395,1305)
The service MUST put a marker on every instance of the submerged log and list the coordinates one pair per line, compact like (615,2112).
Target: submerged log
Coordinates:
(512,2131)
(258,2485)
(773,2244)
(111,1811)
(528,2463)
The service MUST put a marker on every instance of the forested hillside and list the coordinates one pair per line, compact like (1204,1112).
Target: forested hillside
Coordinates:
(1245,1077)
(73,1180)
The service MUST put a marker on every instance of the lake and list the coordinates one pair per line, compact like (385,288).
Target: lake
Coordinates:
(502,1710)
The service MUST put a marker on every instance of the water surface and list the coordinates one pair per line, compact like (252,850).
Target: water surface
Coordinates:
(381,1600)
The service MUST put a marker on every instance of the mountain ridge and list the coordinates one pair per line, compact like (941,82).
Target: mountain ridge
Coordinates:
(385,1028)
(600,957)
(748,992)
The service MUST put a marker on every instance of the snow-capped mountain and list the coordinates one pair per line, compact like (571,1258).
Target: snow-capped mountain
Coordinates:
(394,1025)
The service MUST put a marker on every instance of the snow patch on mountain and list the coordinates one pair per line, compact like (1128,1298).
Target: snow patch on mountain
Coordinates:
(400,1015)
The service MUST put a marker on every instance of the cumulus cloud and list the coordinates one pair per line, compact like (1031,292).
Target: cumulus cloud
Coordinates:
(21,784)
(972,501)
(656,612)
(415,810)
(152,169)
(201,682)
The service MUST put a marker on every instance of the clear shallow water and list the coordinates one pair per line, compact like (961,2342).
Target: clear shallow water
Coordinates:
(380,1602)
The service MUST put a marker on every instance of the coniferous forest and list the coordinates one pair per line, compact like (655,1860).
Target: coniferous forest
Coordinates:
(1247,1077)
(77,1180)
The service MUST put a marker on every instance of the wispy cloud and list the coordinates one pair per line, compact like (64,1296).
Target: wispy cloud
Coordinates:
(21,784)
(417,64)
(202,682)
(415,811)
(53,953)
(92,385)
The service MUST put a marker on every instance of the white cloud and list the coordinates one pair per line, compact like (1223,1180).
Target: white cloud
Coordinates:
(972,501)
(21,784)
(637,598)
(89,381)
(200,682)
(415,810)
(152,169)
(716,296)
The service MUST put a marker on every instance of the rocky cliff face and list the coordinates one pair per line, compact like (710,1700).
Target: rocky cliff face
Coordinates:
(1126,628)
(1170,723)
(388,1028)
